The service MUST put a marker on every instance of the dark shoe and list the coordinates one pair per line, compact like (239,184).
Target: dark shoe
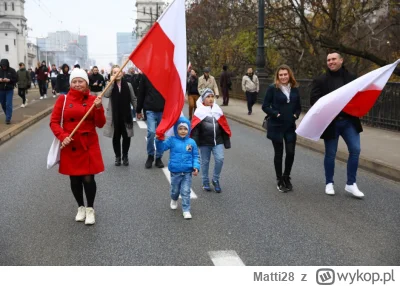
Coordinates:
(125,161)
(281,186)
(159,163)
(8,122)
(149,162)
(117,161)
(206,187)
(249,113)
(288,184)
(217,187)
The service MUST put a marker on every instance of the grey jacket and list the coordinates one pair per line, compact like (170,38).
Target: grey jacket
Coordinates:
(108,129)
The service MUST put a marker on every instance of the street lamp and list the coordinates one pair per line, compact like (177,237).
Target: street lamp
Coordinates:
(260,59)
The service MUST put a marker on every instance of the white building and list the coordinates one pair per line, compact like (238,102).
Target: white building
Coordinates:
(13,32)
(147,12)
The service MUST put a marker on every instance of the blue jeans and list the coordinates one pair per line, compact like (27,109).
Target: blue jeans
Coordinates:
(6,100)
(205,154)
(153,120)
(180,184)
(133,113)
(346,129)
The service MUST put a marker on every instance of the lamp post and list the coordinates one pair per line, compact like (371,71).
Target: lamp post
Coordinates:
(260,59)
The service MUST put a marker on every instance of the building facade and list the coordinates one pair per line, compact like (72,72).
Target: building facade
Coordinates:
(147,12)
(126,43)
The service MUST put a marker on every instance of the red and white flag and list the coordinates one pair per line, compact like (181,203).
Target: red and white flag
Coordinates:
(161,56)
(355,98)
(215,111)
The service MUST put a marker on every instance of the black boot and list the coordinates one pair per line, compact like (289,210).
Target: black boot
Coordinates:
(125,160)
(159,163)
(281,186)
(288,184)
(149,162)
(117,161)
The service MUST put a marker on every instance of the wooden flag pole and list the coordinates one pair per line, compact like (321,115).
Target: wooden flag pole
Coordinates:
(101,95)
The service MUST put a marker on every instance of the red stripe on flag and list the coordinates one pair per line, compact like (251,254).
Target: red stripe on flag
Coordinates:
(195,121)
(362,102)
(155,58)
(224,124)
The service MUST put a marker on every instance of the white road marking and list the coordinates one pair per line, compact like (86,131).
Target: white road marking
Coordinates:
(142,124)
(225,258)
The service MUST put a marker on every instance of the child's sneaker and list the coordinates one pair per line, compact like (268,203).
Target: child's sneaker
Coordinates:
(174,205)
(187,215)
(206,187)
(217,187)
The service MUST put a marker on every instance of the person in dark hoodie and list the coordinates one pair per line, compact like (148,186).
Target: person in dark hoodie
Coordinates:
(62,82)
(8,79)
(42,75)
(96,81)
(193,92)
(23,83)
(53,78)
(153,102)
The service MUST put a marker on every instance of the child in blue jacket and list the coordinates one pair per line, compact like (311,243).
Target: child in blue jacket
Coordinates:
(183,162)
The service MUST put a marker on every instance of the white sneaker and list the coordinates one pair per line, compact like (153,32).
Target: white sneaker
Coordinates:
(134,119)
(54,96)
(174,205)
(329,189)
(45,96)
(187,215)
(353,189)
(89,216)
(81,215)
(26,102)
(41,97)
(22,105)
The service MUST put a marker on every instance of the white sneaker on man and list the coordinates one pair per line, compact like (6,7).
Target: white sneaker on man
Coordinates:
(54,96)
(174,205)
(45,96)
(23,105)
(187,215)
(90,216)
(353,189)
(41,97)
(329,190)
(134,119)
(26,102)
(81,215)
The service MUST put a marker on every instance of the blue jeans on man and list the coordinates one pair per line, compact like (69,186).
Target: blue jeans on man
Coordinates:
(180,185)
(153,120)
(6,101)
(205,154)
(346,129)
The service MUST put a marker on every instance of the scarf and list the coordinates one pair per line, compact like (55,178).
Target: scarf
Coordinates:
(286,90)
(121,105)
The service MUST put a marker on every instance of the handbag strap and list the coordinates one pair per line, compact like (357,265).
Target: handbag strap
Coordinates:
(62,114)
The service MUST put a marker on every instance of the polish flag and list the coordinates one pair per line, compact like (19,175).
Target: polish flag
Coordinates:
(161,56)
(215,111)
(355,98)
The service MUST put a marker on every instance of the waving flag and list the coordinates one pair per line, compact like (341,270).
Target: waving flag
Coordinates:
(355,98)
(161,56)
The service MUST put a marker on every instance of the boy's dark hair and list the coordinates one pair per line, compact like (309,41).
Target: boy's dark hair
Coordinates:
(225,67)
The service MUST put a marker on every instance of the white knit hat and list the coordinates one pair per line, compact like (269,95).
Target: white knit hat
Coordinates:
(78,73)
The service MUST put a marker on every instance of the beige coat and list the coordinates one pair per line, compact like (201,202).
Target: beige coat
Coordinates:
(210,83)
(108,129)
(250,85)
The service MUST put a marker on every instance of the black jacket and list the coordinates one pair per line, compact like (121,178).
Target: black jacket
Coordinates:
(324,85)
(149,98)
(99,79)
(192,86)
(9,73)
(209,133)
(62,84)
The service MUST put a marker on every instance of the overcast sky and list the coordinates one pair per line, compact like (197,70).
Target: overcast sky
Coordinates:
(100,20)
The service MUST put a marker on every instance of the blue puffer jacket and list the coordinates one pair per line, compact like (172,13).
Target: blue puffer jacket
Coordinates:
(184,154)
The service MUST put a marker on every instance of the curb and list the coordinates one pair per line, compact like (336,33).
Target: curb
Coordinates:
(371,165)
(15,130)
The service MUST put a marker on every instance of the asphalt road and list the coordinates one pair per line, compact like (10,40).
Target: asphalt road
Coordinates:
(134,225)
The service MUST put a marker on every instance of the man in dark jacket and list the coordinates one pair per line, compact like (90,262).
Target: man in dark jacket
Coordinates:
(62,84)
(33,77)
(96,81)
(42,75)
(225,83)
(345,125)
(152,101)
(193,92)
(53,78)
(23,83)
(8,79)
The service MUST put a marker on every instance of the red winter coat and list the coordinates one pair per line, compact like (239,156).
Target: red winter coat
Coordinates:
(83,155)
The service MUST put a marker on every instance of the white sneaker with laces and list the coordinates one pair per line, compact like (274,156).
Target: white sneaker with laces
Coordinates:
(41,97)
(174,205)
(187,215)
(89,216)
(329,190)
(353,189)
(22,105)
(81,215)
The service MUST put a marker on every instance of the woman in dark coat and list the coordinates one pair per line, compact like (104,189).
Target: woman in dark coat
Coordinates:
(80,157)
(282,104)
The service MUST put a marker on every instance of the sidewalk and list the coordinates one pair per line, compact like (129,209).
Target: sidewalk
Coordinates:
(22,118)
(379,148)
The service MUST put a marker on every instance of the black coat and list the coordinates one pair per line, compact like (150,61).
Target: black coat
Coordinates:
(275,102)
(192,86)
(209,133)
(62,83)
(149,98)
(324,85)
(99,79)
(9,73)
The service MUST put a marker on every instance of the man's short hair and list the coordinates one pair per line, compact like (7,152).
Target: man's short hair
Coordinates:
(95,67)
(335,52)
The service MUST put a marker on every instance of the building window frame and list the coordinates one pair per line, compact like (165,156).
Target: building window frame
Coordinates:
(15,42)
(12,6)
(7,49)
(5,6)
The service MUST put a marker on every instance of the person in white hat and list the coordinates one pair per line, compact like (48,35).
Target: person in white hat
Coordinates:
(80,156)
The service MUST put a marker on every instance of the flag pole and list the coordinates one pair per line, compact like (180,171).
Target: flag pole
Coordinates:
(101,95)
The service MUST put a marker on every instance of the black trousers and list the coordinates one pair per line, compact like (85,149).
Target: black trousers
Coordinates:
(251,99)
(42,87)
(78,183)
(120,131)
(22,94)
(278,158)
(225,96)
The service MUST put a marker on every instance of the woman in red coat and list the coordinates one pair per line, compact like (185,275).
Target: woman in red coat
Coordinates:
(80,156)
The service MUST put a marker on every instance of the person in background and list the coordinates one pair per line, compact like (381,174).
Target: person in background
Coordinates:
(23,83)
(225,83)
(208,81)
(62,82)
(53,78)
(33,77)
(251,86)
(193,92)
(42,73)
(8,79)
(96,81)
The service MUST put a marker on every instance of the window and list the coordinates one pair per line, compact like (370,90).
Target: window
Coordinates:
(6,48)
(144,10)
(15,42)
(5,6)
(12,5)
